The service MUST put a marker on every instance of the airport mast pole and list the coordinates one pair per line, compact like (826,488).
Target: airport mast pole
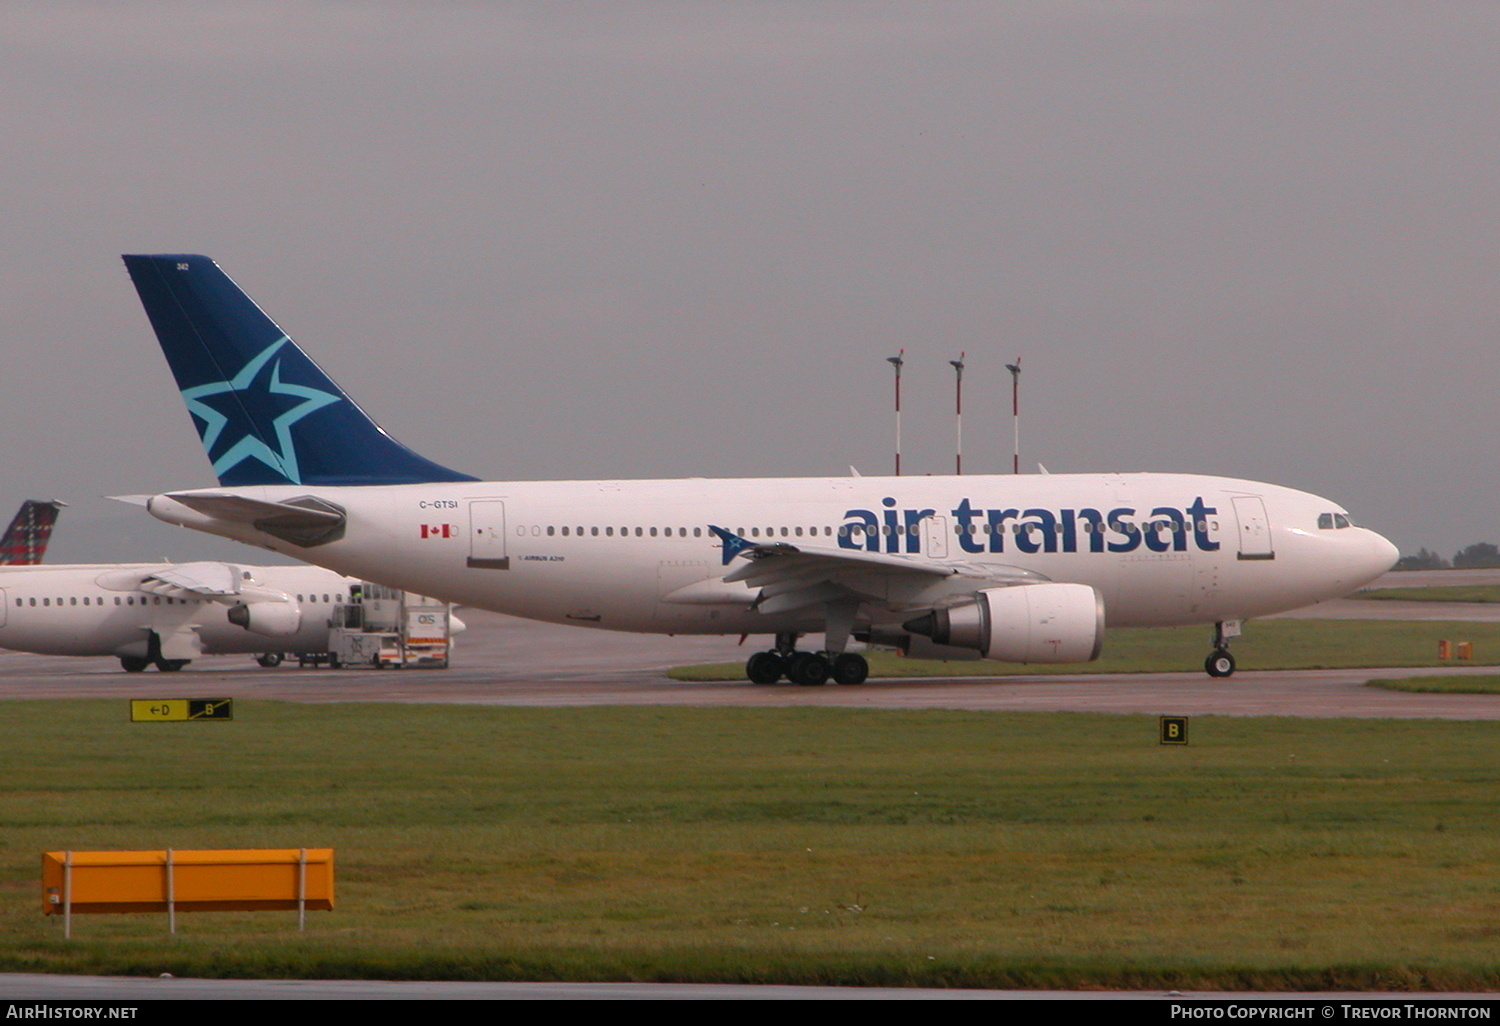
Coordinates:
(896,362)
(1015,412)
(958,412)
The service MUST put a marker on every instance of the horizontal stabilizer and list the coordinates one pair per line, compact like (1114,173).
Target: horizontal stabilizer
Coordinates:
(241,509)
(306,520)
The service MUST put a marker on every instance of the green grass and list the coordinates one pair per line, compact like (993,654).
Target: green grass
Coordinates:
(1443,593)
(815,846)
(1265,645)
(1455,685)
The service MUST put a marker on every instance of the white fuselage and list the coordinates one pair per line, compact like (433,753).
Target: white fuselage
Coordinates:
(97,609)
(639,555)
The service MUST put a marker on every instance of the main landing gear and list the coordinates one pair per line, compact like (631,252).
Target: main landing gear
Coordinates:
(809,669)
(1219,662)
(135,664)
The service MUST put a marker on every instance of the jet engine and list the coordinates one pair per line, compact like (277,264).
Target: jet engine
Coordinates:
(1031,623)
(273,619)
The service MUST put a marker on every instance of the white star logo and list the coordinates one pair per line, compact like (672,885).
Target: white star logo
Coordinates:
(262,397)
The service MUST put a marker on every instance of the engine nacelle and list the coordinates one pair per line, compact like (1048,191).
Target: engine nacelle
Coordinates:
(1031,623)
(273,619)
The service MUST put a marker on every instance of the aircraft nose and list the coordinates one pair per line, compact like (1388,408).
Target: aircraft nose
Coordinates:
(1382,555)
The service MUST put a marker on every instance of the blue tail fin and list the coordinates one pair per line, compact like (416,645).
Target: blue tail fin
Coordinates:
(266,413)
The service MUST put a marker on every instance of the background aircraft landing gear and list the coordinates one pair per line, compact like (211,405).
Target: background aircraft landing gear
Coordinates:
(270,660)
(170,665)
(134,664)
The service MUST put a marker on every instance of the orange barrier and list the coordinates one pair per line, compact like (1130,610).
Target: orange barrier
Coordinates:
(1464,650)
(186,881)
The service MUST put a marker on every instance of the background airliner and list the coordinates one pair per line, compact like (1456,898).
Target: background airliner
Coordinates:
(1025,569)
(166,614)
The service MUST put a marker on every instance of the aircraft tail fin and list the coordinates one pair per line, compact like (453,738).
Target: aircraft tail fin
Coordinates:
(265,412)
(25,540)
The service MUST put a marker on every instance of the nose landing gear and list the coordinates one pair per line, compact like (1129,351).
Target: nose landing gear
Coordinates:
(1219,662)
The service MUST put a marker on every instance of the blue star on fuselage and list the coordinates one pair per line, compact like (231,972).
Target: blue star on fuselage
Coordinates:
(258,387)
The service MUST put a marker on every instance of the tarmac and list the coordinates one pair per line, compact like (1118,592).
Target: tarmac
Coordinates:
(503,660)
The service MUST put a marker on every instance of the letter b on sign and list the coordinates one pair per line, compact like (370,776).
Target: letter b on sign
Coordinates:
(1174,730)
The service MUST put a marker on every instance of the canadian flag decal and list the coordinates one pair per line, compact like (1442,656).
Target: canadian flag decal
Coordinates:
(437,530)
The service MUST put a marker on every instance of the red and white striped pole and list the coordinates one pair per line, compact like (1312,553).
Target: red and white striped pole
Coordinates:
(958,412)
(896,362)
(1015,412)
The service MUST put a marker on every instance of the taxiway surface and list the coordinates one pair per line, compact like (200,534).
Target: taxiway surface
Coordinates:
(503,660)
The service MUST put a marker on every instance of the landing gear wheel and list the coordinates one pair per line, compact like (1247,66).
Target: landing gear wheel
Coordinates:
(850,668)
(1219,663)
(170,665)
(133,664)
(334,662)
(765,667)
(270,660)
(808,669)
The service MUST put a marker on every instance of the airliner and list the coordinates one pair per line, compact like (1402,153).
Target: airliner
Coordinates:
(1019,568)
(167,614)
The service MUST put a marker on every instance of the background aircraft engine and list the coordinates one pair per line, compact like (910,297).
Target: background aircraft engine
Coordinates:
(273,619)
(1033,623)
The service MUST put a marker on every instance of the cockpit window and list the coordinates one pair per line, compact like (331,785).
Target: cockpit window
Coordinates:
(1333,521)
(1341,520)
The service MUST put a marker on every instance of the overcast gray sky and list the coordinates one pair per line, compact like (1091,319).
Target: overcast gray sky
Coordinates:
(580,240)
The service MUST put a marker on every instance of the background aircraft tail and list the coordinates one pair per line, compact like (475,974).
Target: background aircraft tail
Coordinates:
(266,413)
(25,540)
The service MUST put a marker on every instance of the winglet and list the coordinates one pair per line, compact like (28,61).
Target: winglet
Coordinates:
(266,413)
(733,543)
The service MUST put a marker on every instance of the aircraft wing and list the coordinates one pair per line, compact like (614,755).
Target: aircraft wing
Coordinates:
(792,577)
(217,582)
(206,580)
